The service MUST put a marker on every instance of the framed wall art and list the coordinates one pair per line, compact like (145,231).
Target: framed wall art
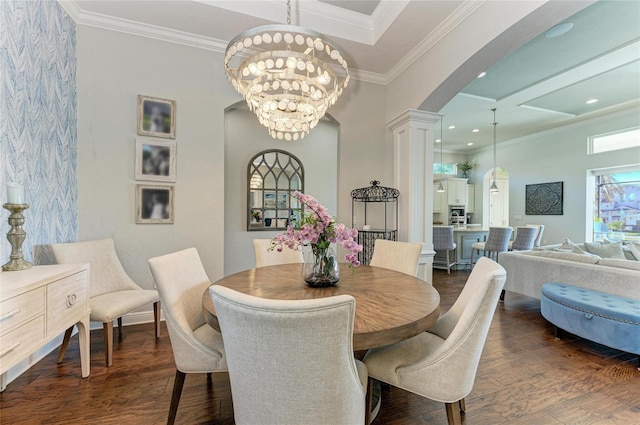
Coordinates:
(154,204)
(156,117)
(544,199)
(156,160)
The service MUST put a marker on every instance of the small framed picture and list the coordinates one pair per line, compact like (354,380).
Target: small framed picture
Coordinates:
(156,117)
(156,160)
(154,204)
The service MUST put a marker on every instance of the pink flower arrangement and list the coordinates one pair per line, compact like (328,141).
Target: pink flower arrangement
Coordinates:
(318,229)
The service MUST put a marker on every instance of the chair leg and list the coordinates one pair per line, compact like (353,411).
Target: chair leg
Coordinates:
(453,413)
(108,342)
(448,267)
(463,406)
(119,328)
(368,401)
(156,317)
(502,296)
(175,396)
(65,343)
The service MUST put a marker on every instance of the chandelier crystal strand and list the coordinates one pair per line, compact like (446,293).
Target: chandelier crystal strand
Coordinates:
(288,75)
(494,186)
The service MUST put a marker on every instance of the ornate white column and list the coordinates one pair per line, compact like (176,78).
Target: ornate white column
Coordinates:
(413,176)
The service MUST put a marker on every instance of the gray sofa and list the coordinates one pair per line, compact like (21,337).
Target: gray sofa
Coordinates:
(527,271)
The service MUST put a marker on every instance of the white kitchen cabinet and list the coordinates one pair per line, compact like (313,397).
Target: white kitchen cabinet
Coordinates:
(457,192)
(439,200)
(471,199)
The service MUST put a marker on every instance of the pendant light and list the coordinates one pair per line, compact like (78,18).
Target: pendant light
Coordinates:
(440,188)
(494,187)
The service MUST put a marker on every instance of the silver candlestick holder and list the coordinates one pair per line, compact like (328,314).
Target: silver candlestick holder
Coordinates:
(16,237)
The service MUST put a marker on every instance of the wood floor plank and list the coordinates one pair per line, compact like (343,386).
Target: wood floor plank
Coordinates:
(525,376)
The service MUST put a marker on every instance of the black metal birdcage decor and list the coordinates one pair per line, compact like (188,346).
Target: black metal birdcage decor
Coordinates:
(378,207)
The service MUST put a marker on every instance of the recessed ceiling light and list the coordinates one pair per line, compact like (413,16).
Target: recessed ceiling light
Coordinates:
(592,101)
(438,140)
(482,74)
(559,30)
(451,127)
(475,130)
(470,144)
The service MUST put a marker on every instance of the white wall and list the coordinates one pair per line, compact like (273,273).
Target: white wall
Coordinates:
(557,155)
(244,138)
(366,145)
(113,68)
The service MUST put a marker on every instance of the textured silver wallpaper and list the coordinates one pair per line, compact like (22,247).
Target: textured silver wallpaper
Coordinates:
(38,131)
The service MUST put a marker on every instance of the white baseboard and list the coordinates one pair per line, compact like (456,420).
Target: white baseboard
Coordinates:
(134,318)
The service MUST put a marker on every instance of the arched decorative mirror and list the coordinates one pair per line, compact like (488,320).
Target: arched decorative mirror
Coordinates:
(272,177)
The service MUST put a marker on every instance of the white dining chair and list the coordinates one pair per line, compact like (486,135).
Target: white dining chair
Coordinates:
(197,347)
(112,292)
(267,257)
(291,362)
(441,363)
(399,256)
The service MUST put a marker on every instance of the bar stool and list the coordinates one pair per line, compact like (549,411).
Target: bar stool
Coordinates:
(497,241)
(443,241)
(524,239)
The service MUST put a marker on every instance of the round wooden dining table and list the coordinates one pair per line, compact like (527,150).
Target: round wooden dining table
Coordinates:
(390,306)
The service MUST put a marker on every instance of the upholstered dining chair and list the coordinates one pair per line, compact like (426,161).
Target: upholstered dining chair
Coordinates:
(197,347)
(524,239)
(443,241)
(441,363)
(540,228)
(291,362)
(265,257)
(497,242)
(399,256)
(112,293)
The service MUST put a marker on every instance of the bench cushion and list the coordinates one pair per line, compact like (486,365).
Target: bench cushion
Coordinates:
(607,319)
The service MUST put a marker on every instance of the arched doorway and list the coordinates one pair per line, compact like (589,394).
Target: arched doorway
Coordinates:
(495,206)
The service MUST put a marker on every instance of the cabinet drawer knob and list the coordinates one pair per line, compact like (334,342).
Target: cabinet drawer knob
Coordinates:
(10,314)
(71,300)
(9,349)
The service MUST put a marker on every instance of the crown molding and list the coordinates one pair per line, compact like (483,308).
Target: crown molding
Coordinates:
(368,77)
(383,16)
(445,27)
(98,20)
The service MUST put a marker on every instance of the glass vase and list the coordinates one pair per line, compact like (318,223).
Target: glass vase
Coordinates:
(321,268)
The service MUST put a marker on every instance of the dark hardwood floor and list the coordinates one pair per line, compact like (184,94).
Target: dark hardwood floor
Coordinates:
(526,376)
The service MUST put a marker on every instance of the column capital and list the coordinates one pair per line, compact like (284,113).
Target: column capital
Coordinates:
(414,116)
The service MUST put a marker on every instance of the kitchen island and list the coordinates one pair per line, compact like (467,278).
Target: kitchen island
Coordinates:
(464,237)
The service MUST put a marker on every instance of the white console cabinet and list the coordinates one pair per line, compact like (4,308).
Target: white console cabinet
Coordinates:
(38,304)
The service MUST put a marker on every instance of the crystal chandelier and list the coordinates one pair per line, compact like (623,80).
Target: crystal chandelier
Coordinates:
(288,75)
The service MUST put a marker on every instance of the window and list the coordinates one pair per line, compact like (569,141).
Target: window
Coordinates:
(439,168)
(617,206)
(272,177)
(614,141)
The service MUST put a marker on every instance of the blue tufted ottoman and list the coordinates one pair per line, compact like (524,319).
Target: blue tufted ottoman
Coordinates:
(606,319)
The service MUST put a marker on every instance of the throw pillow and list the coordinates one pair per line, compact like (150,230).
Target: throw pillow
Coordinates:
(634,247)
(567,246)
(623,264)
(569,256)
(610,250)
